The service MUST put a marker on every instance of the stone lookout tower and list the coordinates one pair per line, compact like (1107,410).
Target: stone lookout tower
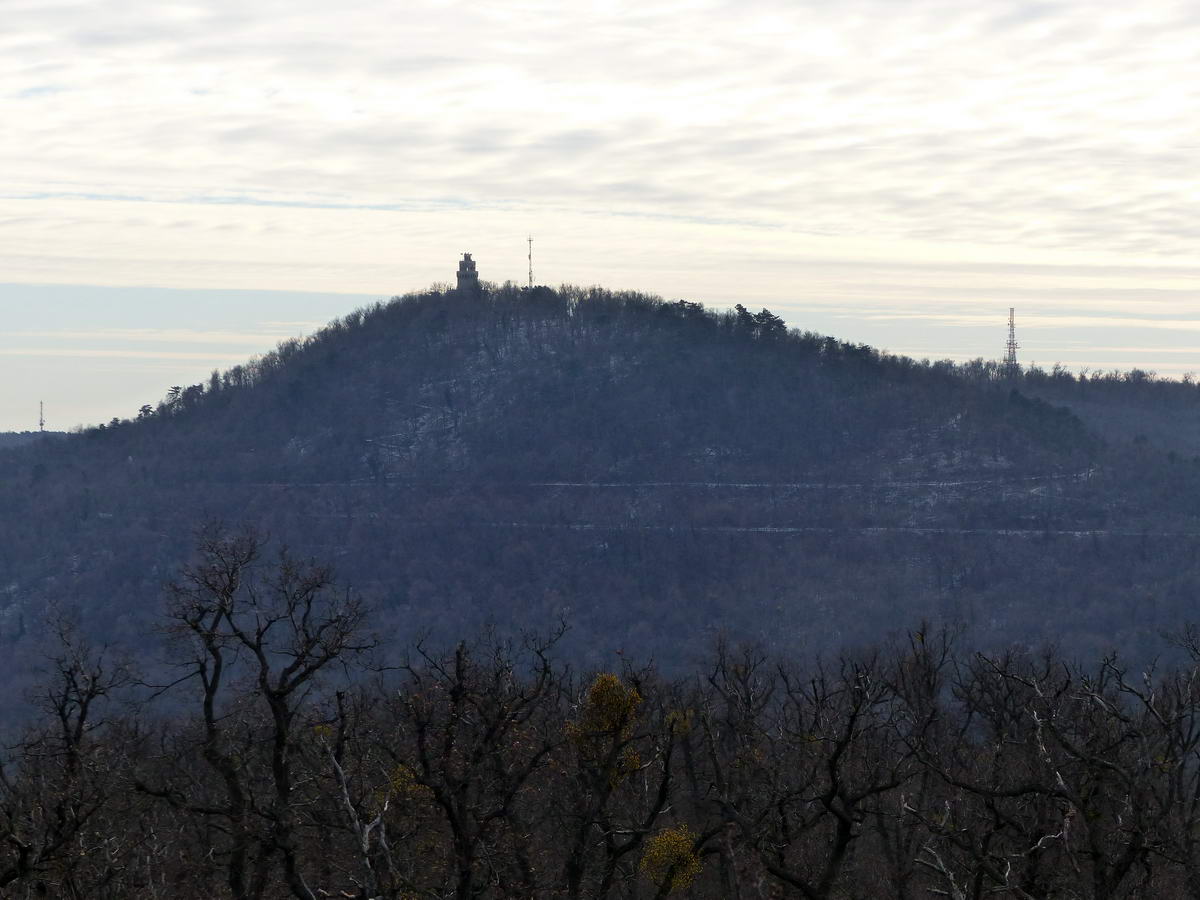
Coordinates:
(468,278)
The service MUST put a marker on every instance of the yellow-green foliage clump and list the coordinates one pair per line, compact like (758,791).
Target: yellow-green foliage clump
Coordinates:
(607,712)
(681,721)
(670,855)
(610,707)
(402,785)
(606,720)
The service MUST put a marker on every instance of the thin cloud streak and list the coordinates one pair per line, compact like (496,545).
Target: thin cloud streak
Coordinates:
(1039,321)
(162,335)
(101,353)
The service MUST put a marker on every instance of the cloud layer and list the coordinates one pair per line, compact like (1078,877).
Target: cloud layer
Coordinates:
(1057,125)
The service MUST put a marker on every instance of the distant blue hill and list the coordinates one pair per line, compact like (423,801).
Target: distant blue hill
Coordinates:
(654,473)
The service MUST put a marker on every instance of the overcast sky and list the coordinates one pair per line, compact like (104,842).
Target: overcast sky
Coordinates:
(181,185)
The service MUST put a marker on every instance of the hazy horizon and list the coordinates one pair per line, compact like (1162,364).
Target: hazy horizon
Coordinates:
(125,346)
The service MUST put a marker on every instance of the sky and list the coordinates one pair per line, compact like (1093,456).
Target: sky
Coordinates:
(182,185)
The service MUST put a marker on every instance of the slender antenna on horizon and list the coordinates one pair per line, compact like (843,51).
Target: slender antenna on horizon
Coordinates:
(41,417)
(531,260)
(1010,356)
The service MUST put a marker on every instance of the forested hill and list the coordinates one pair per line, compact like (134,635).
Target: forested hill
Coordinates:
(653,471)
(583,386)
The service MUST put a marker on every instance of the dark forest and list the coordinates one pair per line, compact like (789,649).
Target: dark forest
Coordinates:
(291,764)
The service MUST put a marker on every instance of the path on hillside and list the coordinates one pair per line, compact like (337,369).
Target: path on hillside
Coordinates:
(741,485)
(770,529)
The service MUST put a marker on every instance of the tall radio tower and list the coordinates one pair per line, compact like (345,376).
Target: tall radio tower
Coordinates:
(41,417)
(1010,355)
(531,260)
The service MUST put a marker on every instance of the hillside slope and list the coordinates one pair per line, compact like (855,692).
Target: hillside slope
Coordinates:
(652,471)
(9,439)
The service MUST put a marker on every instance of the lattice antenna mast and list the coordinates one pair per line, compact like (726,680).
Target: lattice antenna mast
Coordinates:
(531,260)
(1010,355)
(41,417)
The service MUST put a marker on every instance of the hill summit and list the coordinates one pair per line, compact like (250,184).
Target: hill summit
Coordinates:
(652,471)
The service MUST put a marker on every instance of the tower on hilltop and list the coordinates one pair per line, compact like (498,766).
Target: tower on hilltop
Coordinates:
(1011,367)
(468,278)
